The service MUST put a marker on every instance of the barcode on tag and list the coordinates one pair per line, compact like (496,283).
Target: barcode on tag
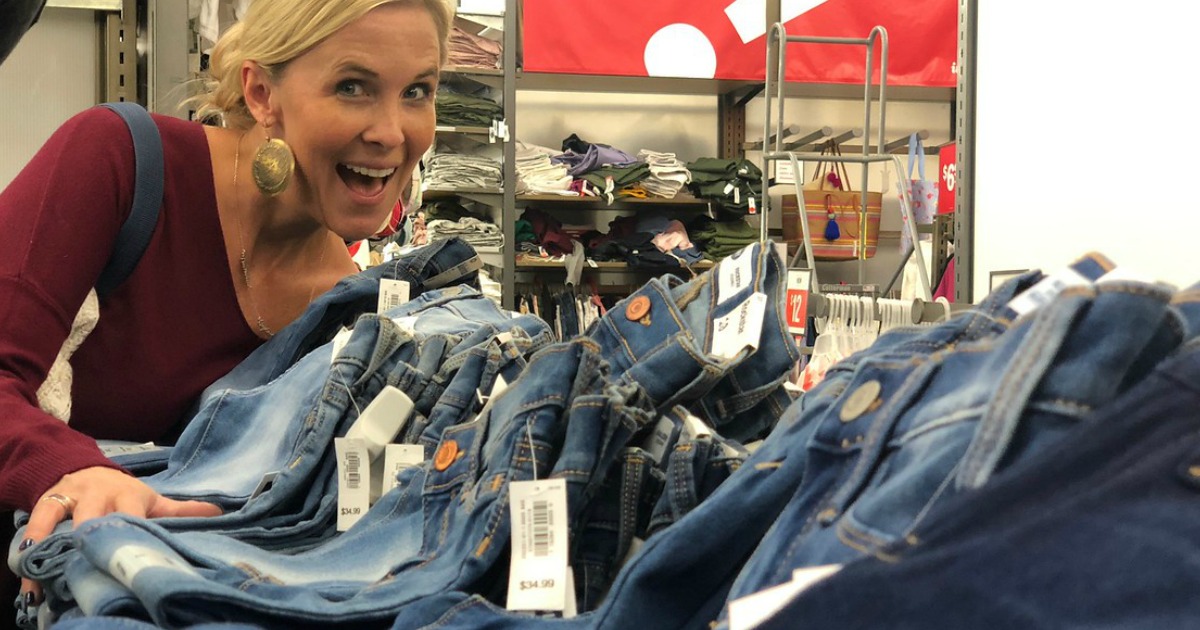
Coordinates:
(353,498)
(392,293)
(1046,290)
(543,536)
(397,457)
(537,578)
(352,474)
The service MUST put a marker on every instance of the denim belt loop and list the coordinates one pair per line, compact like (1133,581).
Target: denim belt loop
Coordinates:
(1049,332)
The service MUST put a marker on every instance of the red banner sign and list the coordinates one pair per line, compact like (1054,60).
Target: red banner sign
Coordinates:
(726,39)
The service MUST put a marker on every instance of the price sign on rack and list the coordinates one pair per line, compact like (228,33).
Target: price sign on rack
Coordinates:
(799,281)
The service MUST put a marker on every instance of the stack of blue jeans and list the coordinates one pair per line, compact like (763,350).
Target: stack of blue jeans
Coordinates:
(1029,462)
(579,411)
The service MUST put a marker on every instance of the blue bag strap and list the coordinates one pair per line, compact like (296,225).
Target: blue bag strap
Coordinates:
(135,233)
(916,153)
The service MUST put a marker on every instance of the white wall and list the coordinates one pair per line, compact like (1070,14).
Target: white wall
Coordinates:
(50,76)
(1087,131)
(685,125)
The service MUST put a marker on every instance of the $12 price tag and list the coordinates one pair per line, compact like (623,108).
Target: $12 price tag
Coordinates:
(537,578)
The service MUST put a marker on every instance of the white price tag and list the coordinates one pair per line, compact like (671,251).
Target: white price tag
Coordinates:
(264,484)
(537,578)
(784,173)
(127,561)
(570,608)
(111,450)
(695,427)
(392,293)
(1043,292)
(739,329)
(339,343)
(1122,274)
(656,444)
(397,457)
(735,273)
(808,576)
(750,611)
(354,476)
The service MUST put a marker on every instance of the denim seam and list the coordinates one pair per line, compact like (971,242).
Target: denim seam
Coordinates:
(994,434)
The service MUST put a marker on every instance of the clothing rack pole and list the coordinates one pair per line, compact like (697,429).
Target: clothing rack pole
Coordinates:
(922,311)
(902,143)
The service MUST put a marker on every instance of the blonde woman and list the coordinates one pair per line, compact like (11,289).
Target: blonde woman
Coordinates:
(327,107)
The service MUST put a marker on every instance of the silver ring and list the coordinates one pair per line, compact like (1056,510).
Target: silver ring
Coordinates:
(67,502)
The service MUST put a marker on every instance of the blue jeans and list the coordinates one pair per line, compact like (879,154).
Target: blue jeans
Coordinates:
(681,577)
(443,522)
(225,453)
(441,264)
(947,424)
(447,527)
(1101,534)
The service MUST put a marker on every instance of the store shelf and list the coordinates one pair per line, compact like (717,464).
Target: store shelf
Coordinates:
(473,71)
(470,131)
(681,201)
(447,193)
(602,265)
(547,81)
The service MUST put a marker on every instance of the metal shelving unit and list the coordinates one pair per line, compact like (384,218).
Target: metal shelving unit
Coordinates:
(877,153)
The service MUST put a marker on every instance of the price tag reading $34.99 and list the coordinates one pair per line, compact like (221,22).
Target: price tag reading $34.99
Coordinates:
(537,578)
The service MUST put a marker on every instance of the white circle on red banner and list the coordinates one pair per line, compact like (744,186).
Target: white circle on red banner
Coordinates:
(680,50)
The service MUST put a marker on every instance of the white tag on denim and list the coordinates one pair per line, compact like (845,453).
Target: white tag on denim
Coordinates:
(392,293)
(750,611)
(397,457)
(127,561)
(377,426)
(808,576)
(569,607)
(695,427)
(656,443)
(406,324)
(353,481)
(537,577)
(735,273)
(382,420)
(339,343)
(1043,292)
(1125,274)
(741,328)
(635,546)
(498,387)
(264,484)
(110,450)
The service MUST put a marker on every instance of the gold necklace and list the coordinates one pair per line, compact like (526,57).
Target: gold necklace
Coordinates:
(237,215)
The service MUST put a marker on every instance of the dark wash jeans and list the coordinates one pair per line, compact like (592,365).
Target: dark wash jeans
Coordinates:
(948,423)
(1101,534)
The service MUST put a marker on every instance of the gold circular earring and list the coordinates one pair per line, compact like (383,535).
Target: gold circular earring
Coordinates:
(273,165)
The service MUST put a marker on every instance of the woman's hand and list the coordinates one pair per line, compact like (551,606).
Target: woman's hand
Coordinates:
(91,493)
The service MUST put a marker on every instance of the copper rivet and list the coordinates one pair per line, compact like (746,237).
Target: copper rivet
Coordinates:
(1194,471)
(860,400)
(637,308)
(445,455)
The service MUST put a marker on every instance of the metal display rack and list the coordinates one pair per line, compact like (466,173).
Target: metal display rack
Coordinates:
(776,65)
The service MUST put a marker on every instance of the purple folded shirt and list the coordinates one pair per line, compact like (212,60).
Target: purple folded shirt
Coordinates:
(597,155)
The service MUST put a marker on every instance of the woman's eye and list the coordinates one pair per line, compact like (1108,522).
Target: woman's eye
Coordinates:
(350,88)
(418,92)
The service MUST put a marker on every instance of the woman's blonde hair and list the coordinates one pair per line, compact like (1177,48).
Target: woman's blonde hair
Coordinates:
(274,32)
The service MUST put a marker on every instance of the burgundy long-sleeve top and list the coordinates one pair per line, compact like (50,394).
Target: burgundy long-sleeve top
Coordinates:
(172,328)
